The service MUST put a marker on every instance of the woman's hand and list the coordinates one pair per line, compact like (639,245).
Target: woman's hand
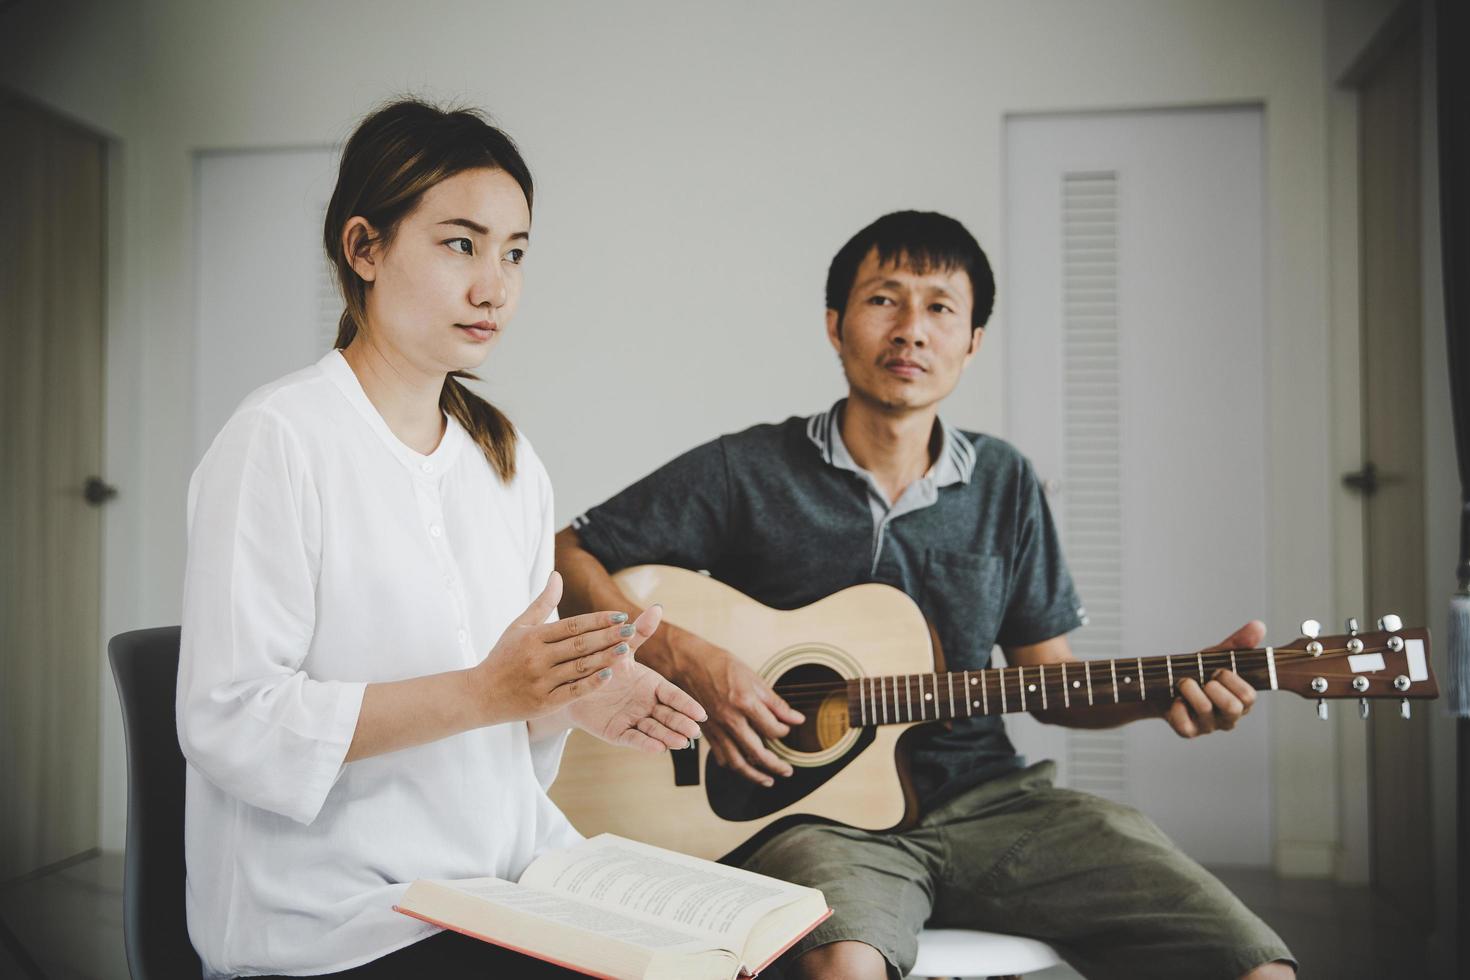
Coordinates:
(538,667)
(637,707)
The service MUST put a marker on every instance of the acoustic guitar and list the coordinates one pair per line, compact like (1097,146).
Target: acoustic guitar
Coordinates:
(861,666)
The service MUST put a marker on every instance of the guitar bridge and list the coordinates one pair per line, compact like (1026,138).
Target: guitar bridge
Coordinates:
(686,765)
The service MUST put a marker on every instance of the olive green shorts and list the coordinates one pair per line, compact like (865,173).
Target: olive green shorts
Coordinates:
(1017,855)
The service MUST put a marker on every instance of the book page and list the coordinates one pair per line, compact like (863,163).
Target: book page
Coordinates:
(678,889)
(558,908)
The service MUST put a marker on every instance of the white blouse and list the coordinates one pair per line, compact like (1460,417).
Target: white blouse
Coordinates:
(324,555)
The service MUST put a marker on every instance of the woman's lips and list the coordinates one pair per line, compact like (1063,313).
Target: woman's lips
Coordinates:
(481,330)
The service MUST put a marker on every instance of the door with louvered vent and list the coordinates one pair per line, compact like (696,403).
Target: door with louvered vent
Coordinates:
(1133,328)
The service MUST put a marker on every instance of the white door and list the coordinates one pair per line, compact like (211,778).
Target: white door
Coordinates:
(1134,316)
(267,299)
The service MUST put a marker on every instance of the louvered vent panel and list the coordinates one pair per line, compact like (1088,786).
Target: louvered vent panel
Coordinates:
(1091,450)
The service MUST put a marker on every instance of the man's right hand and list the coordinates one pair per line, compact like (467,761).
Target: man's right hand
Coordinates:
(742,707)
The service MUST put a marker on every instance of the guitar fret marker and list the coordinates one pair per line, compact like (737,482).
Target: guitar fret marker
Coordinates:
(1087,669)
(1113,666)
(1041,669)
(1066,695)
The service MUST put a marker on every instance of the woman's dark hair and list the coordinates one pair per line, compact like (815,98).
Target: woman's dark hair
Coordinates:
(919,240)
(394,156)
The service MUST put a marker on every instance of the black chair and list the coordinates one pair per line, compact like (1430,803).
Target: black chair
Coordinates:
(145,665)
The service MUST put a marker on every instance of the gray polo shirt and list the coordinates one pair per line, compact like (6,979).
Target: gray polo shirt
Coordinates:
(783,513)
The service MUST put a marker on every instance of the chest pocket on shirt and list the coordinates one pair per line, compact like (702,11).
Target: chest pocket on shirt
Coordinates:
(964,598)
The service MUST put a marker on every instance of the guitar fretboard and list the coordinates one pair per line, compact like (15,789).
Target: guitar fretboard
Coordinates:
(1044,687)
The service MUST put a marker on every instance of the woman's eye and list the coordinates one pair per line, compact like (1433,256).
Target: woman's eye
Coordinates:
(455,243)
(515,256)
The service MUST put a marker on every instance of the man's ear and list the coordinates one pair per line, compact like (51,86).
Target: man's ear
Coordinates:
(976,335)
(834,330)
(360,245)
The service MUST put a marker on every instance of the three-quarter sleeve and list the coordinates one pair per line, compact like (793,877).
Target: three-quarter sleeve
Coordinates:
(546,752)
(249,717)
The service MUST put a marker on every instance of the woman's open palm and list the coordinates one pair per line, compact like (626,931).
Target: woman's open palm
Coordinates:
(638,708)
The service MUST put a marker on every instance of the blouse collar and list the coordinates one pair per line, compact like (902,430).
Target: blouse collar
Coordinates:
(336,368)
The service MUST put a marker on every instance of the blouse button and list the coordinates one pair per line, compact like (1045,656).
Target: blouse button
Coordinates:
(463,636)
(436,530)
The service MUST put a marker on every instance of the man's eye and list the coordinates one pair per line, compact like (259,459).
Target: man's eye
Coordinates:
(455,243)
(939,308)
(515,256)
(879,300)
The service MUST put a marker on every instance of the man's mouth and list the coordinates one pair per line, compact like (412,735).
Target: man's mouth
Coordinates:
(904,369)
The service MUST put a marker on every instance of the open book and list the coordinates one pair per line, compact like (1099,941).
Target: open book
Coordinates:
(612,907)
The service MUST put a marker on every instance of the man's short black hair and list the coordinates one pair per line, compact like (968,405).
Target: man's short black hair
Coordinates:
(921,241)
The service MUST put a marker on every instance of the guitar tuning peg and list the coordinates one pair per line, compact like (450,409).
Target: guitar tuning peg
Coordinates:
(1390,623)
(1352,626)
(1322,709)
(1403,707)
(1363,708)
(1311,629)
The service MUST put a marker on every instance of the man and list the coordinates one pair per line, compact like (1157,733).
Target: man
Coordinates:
(878,488)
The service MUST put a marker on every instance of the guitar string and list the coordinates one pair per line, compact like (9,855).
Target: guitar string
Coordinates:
(1185,664)
(815,693)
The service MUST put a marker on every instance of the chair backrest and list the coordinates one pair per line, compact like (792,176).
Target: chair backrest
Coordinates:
(145,665)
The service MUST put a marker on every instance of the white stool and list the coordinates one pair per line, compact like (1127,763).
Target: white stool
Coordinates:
(970,953)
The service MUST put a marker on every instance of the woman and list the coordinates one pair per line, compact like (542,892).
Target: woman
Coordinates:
(361,533)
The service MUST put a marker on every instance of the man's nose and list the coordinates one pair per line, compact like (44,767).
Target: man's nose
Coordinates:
(909,328)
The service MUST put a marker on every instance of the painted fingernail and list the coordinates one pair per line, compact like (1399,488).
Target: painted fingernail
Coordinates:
(619,618)
(620,649)
(605,673)
(627,630)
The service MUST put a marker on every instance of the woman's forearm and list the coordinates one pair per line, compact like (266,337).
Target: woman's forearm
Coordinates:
(401,714)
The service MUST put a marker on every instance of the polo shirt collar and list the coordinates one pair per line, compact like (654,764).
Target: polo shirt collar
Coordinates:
(956,462)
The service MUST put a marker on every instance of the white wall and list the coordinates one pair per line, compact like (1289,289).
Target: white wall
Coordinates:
(697,166)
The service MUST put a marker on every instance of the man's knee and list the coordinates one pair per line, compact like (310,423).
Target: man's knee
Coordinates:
(845,960)
(1275,970)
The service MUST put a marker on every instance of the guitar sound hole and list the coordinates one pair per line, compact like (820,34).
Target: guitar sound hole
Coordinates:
(819,693)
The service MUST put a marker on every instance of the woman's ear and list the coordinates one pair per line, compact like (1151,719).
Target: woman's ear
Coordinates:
(360,245)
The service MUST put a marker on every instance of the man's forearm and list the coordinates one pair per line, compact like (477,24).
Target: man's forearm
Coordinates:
(587,586)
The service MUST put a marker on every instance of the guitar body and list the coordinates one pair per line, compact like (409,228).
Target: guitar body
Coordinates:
(852,775)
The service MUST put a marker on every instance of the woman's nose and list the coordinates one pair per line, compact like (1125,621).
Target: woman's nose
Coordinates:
(490,288)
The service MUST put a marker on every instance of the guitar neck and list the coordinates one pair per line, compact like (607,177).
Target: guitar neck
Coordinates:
(905,698)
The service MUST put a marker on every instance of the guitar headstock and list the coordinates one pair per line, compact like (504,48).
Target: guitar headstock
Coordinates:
(1389,662)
